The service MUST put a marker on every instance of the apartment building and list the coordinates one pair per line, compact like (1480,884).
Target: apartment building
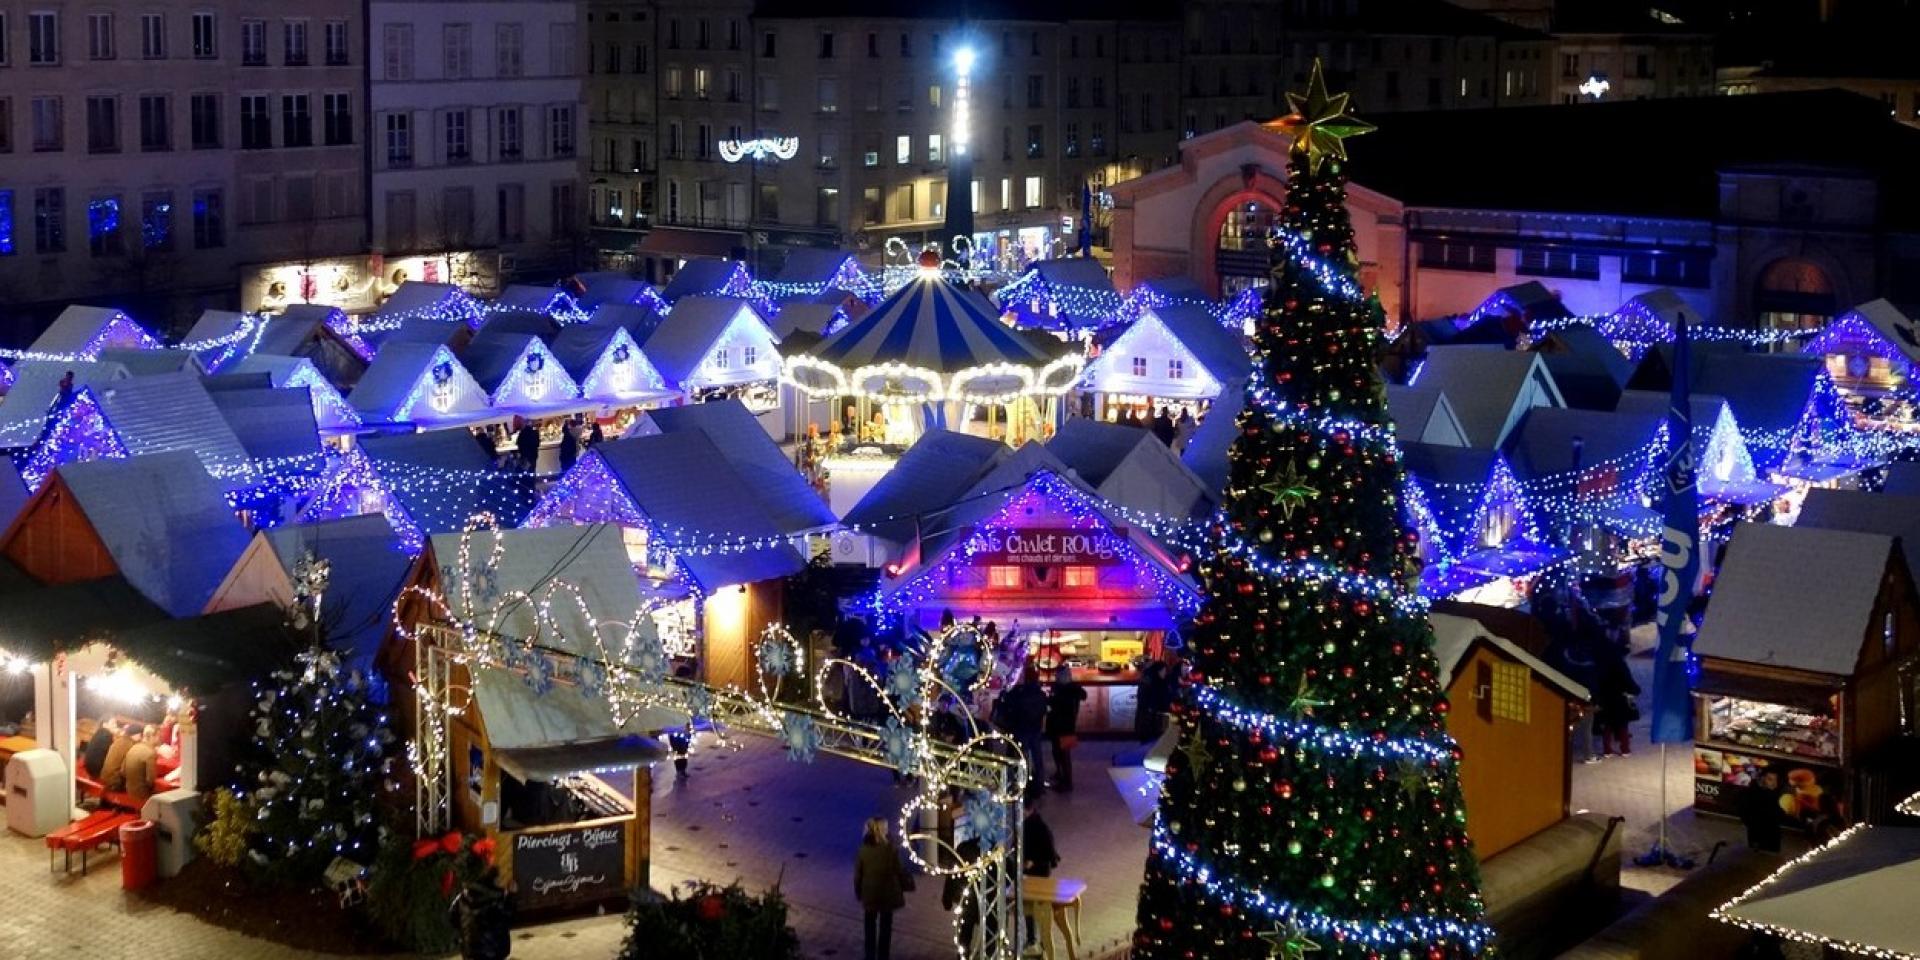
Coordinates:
(149,150)
(1063,95)
(479,139)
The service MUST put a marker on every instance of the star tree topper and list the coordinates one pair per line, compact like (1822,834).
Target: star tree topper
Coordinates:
(1320,123)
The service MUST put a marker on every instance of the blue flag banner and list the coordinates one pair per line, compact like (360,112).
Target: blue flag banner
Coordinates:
(1680,558)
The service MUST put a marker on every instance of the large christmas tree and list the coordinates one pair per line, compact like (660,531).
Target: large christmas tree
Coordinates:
(1314,804)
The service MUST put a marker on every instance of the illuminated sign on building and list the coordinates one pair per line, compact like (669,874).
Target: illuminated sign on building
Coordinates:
(778,148)
(1596,86)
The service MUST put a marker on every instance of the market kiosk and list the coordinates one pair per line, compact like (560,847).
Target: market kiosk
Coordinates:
(1048,566)
(1808,661)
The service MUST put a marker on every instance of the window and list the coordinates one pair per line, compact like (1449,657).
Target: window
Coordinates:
(399,140)
(456,43)
(826,45)
(902,149)
(43,38)
(1006,193)
(870,209)
(674,147)
(294,43)
(639,58)
(1073,139)
(6,223)
(50,220)
(511,207)
(103,125)
(613,59)
(209,219)
(49,125)
(906,44)
(253,43)
(1139,366)
(296,120)
(1456,255)
(749,355)
(153,37)
(1003,576)
(336,41)
(933,148)
(6,125)
(1033,192)
(1036,141)
(733,34)
(1036,91)
(205,110)
(564,212)
(702,83)
(1539,262)
(673,34)
(826,207)
(256,127)
(6,47)
(338,119)
(1664,270)
(870,159)
(829,95)
(703,34)
(1098,142)
(769,44)
(873,45)
(156,133)
(560,45)
(933,96)
(100,36)
(1176,369)
(829,151)
(703,142)
(458,150)
(506,128)
(206,37)
(156,220)
(396,51)
(1507,696)
(560,131)
(1073,92)
(721,360)
(509,43)
(671,86)
(1078,575)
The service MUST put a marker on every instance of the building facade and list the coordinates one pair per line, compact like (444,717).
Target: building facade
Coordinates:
(148,151)
(478,139)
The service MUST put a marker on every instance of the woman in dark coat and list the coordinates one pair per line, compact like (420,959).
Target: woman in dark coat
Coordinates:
(881,884)
(1614,702)
(1063,725)
(569,446)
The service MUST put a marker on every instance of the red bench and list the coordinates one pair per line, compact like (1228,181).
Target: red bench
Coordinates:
(101,829)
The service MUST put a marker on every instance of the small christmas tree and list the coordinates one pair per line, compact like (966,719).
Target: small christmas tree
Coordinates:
(322,752)
(1315,804)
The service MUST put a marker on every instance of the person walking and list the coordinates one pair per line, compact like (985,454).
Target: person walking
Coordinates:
(1154,697)
(1183,429)
(1614,702)
(1024,710)
(1575,656)
(527,443)
(1760,813)
(1039,857)
(881,884)
(569,446)
(1162,427)
(1063,725)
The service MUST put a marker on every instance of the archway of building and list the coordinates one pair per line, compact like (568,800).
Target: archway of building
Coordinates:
(1794,293)
(1229,244)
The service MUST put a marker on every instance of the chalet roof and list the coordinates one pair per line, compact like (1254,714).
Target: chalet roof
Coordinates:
(682,481)
(1454,479)
(1895,327)
(1083,272)
(591,559)
(1217,348)
(580,346)
(602,289)
(82,330)
(216,325)
(1130,467)
(638,320)
(804,317)
(1093,450)
(447,507)
(449,302)
(1454,637)
(1903,477)
(13,492)
(1414,408)
(930,475)
(36,385)
(165,523)
(930,325)
(271,424)
(209,652)
(546,734)
(146,363)
(1206,452)
(701,276)
(292,330)
(425,330)
(686,335)
(1485,385)
(1586,367)
(810,265)
(1543,443)
(169,412)
(391,377)
(1891,514)
(530,322)
(369,566)
(786,496)
(527,297)
(1795,597)
(490,357)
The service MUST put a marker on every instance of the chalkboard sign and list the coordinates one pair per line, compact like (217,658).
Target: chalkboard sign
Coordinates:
(564,867)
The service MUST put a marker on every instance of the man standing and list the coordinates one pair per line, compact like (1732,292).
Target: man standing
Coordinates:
(139,766)
(1759,807)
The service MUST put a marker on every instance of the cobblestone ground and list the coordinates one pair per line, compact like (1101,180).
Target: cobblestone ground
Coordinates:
(751,814)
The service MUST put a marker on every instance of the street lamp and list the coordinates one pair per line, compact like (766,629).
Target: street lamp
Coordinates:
(960,155)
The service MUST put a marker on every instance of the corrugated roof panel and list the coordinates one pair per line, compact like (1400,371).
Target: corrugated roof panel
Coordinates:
(271,424)
(165,522)
(168,412)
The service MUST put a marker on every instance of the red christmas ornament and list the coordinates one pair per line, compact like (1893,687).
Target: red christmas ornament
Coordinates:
(711,907)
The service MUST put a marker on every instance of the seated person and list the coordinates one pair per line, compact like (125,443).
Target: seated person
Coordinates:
(112,774)
(167,743)
(95,754)
(139,765)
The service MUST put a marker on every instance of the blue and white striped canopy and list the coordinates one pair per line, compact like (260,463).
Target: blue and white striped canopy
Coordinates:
(931,324)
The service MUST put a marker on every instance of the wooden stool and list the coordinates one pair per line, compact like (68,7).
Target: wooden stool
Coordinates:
(1059,898)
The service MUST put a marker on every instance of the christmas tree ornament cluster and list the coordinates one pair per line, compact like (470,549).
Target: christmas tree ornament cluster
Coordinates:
(1314,806)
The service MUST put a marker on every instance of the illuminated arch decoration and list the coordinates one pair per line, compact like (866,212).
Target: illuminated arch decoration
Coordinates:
(763,148)
(78,432)
(1048,500)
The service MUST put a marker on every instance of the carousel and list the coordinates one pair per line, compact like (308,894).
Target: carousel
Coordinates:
(933,355)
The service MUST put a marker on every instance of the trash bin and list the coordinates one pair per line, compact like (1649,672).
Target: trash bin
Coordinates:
(138,855)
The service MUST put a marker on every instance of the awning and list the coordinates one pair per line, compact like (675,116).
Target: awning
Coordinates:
(1855,894)
(1513,561)
(41,621)
(1629,518)
(1813,693)
(681,242)
(594,756)
(206,653)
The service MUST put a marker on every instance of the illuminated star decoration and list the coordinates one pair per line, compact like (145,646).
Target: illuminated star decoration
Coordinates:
(1290,491)
(1411,776)
(1289,943)
(1303,701)
(1319,123)
(1196,749)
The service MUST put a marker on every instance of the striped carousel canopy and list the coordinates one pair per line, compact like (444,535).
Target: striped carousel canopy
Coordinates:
(930,324)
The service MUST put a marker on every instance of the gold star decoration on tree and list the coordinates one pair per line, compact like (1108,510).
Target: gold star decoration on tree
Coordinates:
(1411,776)
(1288,943)
(1196,749)
(1290,491)
(1304,701)
(1320,123)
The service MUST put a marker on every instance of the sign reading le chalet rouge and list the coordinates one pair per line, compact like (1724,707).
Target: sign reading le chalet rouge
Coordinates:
(582,865)
(1047,546)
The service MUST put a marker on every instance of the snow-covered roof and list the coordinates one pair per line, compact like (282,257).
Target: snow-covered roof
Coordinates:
(81,331)
(787,497)
(1797,597)
(165,523)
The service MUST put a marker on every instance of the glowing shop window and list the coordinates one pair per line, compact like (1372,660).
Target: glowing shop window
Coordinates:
(1003,577)
(1139,366)
(1510,683)
(1079,576)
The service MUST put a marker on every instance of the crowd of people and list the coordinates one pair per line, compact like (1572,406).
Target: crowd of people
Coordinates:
(125,756)
(519,448)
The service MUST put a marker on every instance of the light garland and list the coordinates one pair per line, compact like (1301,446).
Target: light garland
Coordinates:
(1038,301)
(1319,737)
(1723,913)
(1055,378)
